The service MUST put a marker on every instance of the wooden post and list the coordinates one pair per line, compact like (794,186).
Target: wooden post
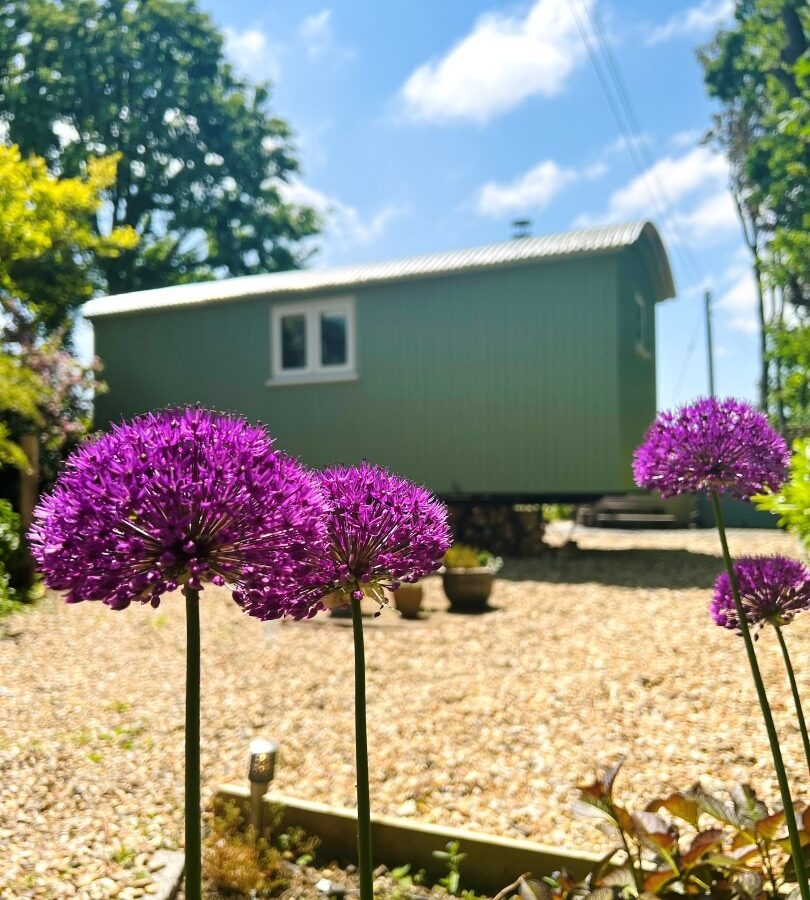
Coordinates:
(29,481)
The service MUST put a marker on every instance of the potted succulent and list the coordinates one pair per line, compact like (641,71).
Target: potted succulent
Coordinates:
(467,577)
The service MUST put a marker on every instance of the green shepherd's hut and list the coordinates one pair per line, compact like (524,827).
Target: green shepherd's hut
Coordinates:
(517,372)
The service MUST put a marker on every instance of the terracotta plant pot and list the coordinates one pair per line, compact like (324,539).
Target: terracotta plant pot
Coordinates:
(408,600)
(468,590)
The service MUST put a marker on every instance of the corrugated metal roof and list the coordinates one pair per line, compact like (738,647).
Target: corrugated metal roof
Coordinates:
(583,242)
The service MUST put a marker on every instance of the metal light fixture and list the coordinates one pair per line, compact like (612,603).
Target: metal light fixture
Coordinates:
(261,770)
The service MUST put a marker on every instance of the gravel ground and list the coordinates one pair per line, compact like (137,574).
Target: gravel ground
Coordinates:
(483,722)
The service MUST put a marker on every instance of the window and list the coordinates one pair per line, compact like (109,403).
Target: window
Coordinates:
(313,342)
(641,328)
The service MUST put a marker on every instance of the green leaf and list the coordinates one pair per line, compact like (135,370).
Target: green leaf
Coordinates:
(620,877)
(656,880)
(748,807)
(770,826)
(601,893)
(790,865)
(717,808)
(532,889)
(749,884)
(702,843)
(679,804)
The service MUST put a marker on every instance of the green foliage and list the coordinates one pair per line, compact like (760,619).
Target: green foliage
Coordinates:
(462,556)
(792,501)
(13,561)
(451,882)
(789,394)
(21,392)
(203,160)
(238,860)
(760,71)
(687,843)
(558,512)
(49,245)
(403,879)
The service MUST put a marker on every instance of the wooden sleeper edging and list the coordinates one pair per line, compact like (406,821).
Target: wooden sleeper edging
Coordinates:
(491,862)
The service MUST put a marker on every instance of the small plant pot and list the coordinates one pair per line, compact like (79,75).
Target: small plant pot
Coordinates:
(468,590)
(341,612)
(408,600)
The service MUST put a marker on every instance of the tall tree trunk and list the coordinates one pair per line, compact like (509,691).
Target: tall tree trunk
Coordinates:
(750,232)
(763,334)
(777,364)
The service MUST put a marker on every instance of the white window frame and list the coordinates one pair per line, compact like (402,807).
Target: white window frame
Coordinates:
(313,371)
(642,340)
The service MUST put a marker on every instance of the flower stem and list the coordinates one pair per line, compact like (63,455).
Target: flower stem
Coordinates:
(767,715)
(364,863)
(795,690)
(193,880)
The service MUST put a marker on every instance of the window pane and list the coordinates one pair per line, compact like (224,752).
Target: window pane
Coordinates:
(333,339)
(293,342)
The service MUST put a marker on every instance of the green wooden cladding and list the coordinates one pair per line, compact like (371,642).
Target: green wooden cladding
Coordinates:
(521,381)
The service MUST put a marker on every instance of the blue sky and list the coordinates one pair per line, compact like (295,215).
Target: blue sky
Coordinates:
(430,125)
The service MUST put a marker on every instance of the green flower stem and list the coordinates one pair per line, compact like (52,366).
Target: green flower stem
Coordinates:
(193,880)
(770,727)
(364,862)
(795,690)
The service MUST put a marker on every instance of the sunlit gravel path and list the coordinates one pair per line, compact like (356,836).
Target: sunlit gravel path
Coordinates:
(483,722)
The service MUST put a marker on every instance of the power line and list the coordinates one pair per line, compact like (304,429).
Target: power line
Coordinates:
(643,147)
(609,75)
(687,358)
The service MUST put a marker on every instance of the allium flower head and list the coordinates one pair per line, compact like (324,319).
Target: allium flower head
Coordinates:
(182,497)
(382,530)
(772,589)
(721,445)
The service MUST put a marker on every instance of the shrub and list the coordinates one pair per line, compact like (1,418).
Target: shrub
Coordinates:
(13,561)
(462,556)
(701,846)
(239,860)
(792,501)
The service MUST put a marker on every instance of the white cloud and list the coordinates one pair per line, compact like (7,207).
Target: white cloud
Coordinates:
(502,61)
(622,145)
(738,302)
(534,189)
(251,52)
(677,177)
(343,223)
(691,22)
(712,220)
(318,36)
(687,138)
(316,32)
(687,193)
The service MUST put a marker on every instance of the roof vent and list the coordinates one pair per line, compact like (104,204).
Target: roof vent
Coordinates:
(521,228)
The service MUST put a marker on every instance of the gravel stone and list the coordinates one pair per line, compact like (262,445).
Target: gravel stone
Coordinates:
(484,722)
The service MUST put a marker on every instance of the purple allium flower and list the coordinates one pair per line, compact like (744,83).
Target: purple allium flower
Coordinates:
(772,589)
(721,445)
(382,530)
(183,497)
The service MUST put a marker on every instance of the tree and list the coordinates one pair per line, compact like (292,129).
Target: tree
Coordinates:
(759,70)
(202,159)
(789,348)
(49,248)
(49,254)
